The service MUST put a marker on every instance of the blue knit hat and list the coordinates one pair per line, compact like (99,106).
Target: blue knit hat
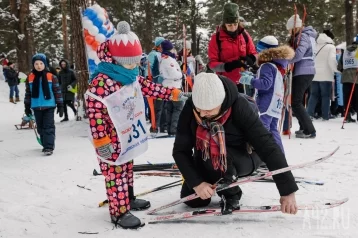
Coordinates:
(158,40)
(166,45)
(266,43)
(41,57)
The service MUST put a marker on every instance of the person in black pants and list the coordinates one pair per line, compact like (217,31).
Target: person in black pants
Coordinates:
(303,41)
(68,82)
(347,89)
(220,136)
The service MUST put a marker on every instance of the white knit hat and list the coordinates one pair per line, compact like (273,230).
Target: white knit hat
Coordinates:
(188,45)
(208,91)
(266,43)
(291,22)
(125,46)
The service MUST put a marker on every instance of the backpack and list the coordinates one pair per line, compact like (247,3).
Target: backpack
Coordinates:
(218,42)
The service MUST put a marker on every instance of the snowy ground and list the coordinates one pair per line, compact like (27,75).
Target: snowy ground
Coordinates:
(39,196)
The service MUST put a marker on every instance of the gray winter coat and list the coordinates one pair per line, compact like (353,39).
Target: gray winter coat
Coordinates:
(67,77)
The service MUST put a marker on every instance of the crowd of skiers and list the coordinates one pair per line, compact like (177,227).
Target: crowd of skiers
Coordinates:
(229,115)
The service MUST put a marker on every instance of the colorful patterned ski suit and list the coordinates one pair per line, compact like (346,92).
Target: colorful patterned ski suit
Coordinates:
(118,178)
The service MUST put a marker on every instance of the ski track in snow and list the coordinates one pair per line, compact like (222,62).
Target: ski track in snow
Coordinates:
(39,196)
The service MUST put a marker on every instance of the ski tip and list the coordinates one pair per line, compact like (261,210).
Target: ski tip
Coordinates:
(337,203)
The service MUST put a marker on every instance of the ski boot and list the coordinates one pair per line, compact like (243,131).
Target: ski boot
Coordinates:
(230,204)
(127,221)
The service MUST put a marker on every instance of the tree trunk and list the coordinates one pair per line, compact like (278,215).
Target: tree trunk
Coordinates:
(80,58)
(20,9)
(30,38)
(356,21)
(147,39)
(64,29)
(198,44)
(193,25)
(71,44)
(349,21)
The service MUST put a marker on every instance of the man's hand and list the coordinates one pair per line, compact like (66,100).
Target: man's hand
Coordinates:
(204,190)
(288,204)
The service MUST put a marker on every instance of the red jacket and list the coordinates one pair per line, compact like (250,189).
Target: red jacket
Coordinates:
(231,49)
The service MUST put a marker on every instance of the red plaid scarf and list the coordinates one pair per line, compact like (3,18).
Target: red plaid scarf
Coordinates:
(210,139)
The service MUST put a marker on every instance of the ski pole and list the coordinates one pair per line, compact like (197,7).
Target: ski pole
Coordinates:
(165,186)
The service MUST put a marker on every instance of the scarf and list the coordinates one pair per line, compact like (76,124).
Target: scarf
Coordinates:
(210,139)
(116,72)
(168,53)
(40,76)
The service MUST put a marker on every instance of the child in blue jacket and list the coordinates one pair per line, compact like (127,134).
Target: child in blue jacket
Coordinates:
(269,85)
(43,95)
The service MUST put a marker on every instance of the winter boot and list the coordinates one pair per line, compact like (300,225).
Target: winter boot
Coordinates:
(298,132)
(17,99)
(137,204)
(12,100)
(286,132)
(349,118)
(64,119)
(306,136)
(230,203)
(48,151)
(127,221)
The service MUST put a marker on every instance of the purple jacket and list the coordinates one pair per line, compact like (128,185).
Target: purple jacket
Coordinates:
(265,81)
(304,49)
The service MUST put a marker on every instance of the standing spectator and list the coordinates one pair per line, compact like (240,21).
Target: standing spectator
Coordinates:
(338,106)
(12,80)
(303,73)
(143,71)
(2,61)
(231,47)
(68,81)
(172,74)
(326,66)
(348,65)
(159,105)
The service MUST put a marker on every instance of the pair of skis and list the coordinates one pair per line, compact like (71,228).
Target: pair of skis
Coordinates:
(242,209)
(176,173)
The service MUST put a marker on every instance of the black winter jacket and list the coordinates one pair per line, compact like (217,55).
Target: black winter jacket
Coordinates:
(11,76)
(242,127)
(67,77)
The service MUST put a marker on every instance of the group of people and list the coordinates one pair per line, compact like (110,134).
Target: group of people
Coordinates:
(166,67)
(221,134)
(46,90)
(214,108)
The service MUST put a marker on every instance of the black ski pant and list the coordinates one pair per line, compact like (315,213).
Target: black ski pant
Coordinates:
(347,88)
(299,86)
(160,114)
(45,123)
(173,112)
(70,104)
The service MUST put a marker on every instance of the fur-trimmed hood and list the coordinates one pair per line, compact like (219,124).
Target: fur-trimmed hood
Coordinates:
(284,52)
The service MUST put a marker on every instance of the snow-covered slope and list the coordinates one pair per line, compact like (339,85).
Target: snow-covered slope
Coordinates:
(39,196)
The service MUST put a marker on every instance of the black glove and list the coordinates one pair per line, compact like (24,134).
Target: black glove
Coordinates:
(250,60)
(230,66)
(28,111)
(60,110)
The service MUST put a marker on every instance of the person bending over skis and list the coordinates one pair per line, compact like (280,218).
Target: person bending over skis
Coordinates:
(218,123)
